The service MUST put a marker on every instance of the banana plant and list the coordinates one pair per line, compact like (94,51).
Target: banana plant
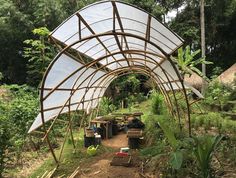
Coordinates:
(205,147)
(187,61)
(176,156)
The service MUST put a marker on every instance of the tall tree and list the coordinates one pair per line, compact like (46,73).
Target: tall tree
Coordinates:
(203,44)
(220,25)
(14,28)
(39,53)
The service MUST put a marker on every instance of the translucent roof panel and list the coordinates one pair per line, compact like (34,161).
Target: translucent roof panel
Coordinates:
(166,72)
(98,19)
(69,80)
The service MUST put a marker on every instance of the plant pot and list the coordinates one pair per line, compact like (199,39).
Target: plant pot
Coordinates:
(88,141)
(89,133)
(133,143)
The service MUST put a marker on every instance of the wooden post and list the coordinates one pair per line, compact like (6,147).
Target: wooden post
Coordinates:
(70,122)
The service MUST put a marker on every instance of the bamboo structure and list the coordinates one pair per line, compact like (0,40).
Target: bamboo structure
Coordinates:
(98,44)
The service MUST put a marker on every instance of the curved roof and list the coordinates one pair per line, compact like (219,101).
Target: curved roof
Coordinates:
(101,42)
(110,16)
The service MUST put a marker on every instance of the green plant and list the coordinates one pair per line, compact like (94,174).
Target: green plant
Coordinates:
(176,156)
(176,159)
(23,109)
(106,106)
(140,97)
(157,102)
(4,141)
(187,61)
(152,151)
(216,72)
(18,145)
(218,94)
(169,133)
(17,113)
(153,132)
(213,120)
(126,89)
(39,53)
(205,147)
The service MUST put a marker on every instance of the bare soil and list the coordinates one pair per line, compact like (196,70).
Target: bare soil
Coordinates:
(117,141)
(100,167)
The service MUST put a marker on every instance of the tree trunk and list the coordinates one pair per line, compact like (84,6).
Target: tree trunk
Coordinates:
(203,45)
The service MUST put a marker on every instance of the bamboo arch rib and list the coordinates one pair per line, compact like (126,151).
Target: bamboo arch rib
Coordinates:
(138,59)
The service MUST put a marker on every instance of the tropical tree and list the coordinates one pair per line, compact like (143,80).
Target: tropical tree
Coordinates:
(187,62)
(39,54)
(220,18)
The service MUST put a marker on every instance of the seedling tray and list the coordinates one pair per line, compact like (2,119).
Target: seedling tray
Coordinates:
(121,161)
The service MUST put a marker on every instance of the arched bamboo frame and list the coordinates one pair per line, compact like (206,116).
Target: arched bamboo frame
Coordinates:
(142,70)
(138,67)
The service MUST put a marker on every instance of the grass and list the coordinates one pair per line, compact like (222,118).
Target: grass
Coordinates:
(48,165)
(213,120)
(70,159)
(141,107)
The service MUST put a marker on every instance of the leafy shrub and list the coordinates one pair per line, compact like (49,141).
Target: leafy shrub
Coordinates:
(152,130)
(153,150)
(39,53)
(4,141)
(135,98)
(218,94)
(16,116)
(205,146)
(23,110)
(213,119)
(187,61)
(157,102)
(140,97)
(106,106)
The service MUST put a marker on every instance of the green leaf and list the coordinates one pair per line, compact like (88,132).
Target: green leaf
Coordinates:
(42,31)
(205,147)
(187,60)
(169,134)
(196,52)
(207,62)
(197,71)
(176,160)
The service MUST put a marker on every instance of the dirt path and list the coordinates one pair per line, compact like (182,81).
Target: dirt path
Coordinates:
(117,141)
(100,168)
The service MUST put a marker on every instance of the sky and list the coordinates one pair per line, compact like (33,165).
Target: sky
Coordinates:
(172,14)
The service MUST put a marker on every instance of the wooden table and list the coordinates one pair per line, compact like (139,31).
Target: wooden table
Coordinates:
(106,124)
